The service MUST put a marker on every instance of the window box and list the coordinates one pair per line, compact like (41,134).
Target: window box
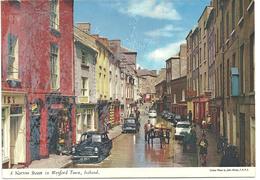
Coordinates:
(14,83)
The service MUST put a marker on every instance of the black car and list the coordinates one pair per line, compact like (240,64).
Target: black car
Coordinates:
(93,147)
(131,125)
(171,117)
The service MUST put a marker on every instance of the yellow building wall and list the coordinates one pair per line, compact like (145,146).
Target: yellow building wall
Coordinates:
(190,107)
(102,74)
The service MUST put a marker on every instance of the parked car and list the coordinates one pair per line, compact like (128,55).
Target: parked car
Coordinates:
(131,125)
(93,147)
(177,119)
(163,113)
(170,117)
(182,127)
(152,113)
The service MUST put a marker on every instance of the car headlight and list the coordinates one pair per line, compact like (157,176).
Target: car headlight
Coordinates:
(96,150)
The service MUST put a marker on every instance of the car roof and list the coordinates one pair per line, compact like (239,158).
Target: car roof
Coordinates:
(183,122)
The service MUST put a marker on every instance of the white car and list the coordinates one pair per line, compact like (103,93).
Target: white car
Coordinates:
(152,114)
(182,127)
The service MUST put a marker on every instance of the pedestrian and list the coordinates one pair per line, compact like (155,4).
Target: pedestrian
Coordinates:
(203,145)
(147,128)
(190,116)
(203,124)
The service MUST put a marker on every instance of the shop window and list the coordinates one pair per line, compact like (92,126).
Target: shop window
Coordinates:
(4,133)
(54,14)
(183,95)
(54,61)
(89,118)
(252,140)
(13,63)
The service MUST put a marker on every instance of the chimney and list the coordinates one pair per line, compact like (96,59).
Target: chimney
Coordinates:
(84,27)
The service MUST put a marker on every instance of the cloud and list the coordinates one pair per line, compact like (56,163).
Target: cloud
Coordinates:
(166,31)
(161,54)
(150,8)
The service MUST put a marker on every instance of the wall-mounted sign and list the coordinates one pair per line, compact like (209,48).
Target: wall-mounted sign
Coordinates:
(12,99)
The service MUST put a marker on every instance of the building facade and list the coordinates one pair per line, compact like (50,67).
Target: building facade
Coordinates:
(178,90)
(85,51)
(38,105)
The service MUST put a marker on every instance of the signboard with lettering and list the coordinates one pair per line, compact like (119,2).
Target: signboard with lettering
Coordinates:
(57,106)
(12,99)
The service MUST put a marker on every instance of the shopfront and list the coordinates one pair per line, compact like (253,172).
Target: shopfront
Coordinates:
(60,123)
(103,115)
(85,119)
(13,129)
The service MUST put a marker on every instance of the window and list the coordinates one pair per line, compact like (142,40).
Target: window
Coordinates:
(234,60)
(251,56)
(227,25)
(221,80)
(204,52)
(13,63)
(89,118)
(183,95)
(4,131)
(228,82)
(54,15)
(84,86)
(54,58)
(241,62)
(174,98)
(83,57)
(241,8)
(233,14)
(205,81)
(200,55)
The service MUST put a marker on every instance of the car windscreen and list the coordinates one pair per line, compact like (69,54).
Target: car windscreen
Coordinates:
(183,126)
(96,138)
(130,121)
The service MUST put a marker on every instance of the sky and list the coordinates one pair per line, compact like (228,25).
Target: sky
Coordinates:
(152,28)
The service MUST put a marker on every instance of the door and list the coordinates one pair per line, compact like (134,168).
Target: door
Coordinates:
(35,137)
(242,138)
(14,145)
(53,133)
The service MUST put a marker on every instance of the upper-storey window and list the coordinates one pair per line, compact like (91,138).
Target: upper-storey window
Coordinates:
(54,61)
(54,15)
(13,68)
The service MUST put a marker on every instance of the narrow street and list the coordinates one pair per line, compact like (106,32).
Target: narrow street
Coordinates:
(130,150)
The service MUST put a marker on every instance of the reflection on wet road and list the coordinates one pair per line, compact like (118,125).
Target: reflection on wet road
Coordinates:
(130,150)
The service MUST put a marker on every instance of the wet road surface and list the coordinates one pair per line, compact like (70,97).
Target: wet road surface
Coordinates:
(131,150)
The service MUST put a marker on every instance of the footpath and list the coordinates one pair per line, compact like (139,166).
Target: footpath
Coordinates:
(213,158)
(61,161)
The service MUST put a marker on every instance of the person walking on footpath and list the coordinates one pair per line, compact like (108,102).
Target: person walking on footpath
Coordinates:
(203,145)
(147,128)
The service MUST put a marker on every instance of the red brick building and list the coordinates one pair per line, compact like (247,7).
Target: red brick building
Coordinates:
(38,111)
